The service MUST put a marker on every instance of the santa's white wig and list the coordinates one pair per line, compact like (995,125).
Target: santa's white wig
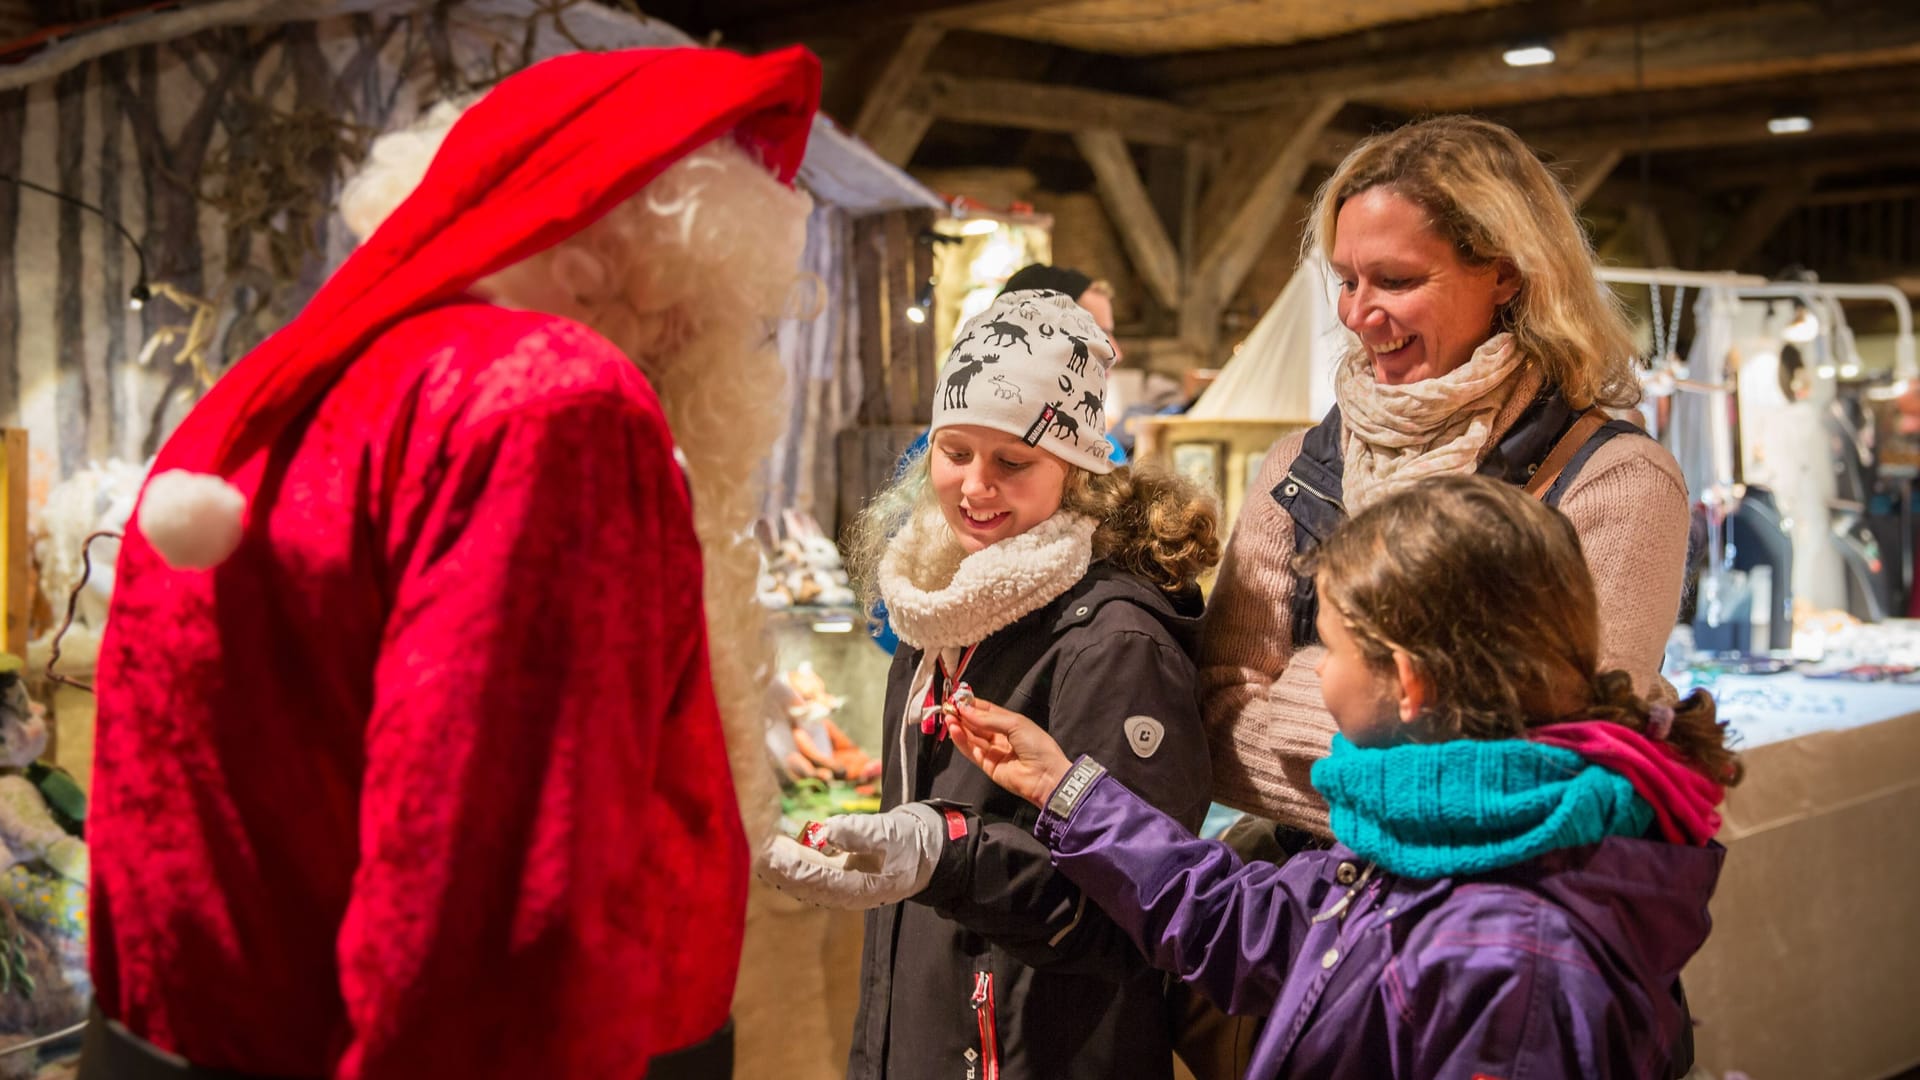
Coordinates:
(688,278)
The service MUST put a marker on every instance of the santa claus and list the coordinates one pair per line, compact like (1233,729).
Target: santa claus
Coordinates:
(409,759)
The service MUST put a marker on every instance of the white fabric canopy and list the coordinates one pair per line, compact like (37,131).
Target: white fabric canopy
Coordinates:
(1284,368)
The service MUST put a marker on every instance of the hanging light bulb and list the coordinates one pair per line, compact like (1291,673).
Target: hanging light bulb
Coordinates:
(922,304)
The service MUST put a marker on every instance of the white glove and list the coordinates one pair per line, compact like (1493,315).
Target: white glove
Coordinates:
(889,857)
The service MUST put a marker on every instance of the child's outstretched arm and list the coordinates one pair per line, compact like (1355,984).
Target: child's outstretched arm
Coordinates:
(1012,750)
(1189,905)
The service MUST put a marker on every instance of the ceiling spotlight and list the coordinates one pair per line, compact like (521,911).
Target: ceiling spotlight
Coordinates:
(1532,54)
(980,227)
(1790,125)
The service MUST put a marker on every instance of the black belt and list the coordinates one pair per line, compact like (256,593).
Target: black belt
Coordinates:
(709,1059)
(111,1052)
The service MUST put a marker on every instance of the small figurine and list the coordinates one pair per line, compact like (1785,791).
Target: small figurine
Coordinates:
(820,750)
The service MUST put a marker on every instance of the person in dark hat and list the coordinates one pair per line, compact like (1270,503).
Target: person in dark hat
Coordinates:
(1092,294)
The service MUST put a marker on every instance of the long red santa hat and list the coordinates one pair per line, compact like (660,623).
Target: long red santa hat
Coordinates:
(547,152)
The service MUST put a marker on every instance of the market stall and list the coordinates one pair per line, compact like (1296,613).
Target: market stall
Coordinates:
(1807,968)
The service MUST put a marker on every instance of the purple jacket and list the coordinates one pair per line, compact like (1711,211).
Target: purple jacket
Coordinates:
(1561,966)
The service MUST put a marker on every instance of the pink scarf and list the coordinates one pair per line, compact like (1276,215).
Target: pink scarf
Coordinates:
(1683,800)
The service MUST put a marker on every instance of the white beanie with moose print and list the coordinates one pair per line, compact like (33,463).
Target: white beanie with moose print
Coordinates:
(1033,365)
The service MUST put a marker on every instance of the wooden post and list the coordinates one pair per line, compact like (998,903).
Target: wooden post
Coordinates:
(894,115)
(901,358)
(14,550)
(1265,161)
(1131,209)
(869,261)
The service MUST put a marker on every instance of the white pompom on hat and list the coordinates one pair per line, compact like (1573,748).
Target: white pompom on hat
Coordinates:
(192,520)
(1033,365)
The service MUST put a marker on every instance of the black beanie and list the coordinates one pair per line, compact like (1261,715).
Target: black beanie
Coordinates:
(1042,276)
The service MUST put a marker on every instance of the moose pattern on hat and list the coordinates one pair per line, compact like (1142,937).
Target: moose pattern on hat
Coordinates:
(1049,363)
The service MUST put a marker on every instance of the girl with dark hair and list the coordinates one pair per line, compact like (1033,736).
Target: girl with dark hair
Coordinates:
(1523,856)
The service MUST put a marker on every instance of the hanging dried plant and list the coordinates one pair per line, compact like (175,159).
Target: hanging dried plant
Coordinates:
(275,175)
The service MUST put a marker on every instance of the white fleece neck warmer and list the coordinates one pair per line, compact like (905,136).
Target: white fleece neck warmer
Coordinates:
(938,597)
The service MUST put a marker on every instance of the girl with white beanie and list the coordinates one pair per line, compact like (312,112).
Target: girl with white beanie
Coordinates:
(1018,562)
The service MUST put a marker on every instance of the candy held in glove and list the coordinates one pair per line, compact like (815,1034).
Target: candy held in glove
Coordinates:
(807,854)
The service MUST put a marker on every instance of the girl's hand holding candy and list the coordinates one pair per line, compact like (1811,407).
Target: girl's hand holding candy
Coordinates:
(1013,751)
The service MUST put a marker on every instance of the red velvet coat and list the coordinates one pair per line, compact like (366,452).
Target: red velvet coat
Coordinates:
(427,779)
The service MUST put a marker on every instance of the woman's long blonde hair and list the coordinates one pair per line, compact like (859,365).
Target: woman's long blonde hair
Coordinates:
(1487,194)
(1152,523)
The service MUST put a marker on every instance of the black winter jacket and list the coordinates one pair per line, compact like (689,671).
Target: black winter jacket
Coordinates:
(1070,996)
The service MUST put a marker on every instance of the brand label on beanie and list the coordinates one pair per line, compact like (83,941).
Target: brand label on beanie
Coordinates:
(1039,426)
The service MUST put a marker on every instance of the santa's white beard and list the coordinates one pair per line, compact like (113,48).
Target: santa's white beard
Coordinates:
(722,395)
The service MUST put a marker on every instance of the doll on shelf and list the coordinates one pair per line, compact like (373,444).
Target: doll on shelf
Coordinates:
(819,749)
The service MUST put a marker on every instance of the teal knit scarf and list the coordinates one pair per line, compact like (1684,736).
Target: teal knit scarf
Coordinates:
(1467,806)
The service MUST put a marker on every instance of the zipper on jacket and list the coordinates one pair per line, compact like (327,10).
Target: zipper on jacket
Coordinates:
(983,1011)
(1294,477)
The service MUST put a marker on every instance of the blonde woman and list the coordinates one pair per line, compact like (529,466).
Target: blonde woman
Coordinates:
(1482,343)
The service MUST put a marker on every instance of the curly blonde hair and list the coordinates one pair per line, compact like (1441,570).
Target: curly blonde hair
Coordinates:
(1487,194)
(1154,524)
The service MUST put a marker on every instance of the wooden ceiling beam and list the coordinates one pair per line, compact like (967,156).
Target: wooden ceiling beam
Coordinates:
(1265,161)
(1854,196)
(1035,106)
(1495,27)
(803,20)
(1762,214)
(1734,127)
(1688,50)
(1744,171)
(1131,209)
(892,118)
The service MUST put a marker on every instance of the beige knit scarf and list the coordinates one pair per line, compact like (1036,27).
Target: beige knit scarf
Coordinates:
(938,596)
(1392,436)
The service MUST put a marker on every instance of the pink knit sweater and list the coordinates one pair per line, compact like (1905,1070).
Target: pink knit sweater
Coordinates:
(1266,724)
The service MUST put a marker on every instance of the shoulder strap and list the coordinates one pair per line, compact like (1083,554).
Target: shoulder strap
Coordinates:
(1590,421)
